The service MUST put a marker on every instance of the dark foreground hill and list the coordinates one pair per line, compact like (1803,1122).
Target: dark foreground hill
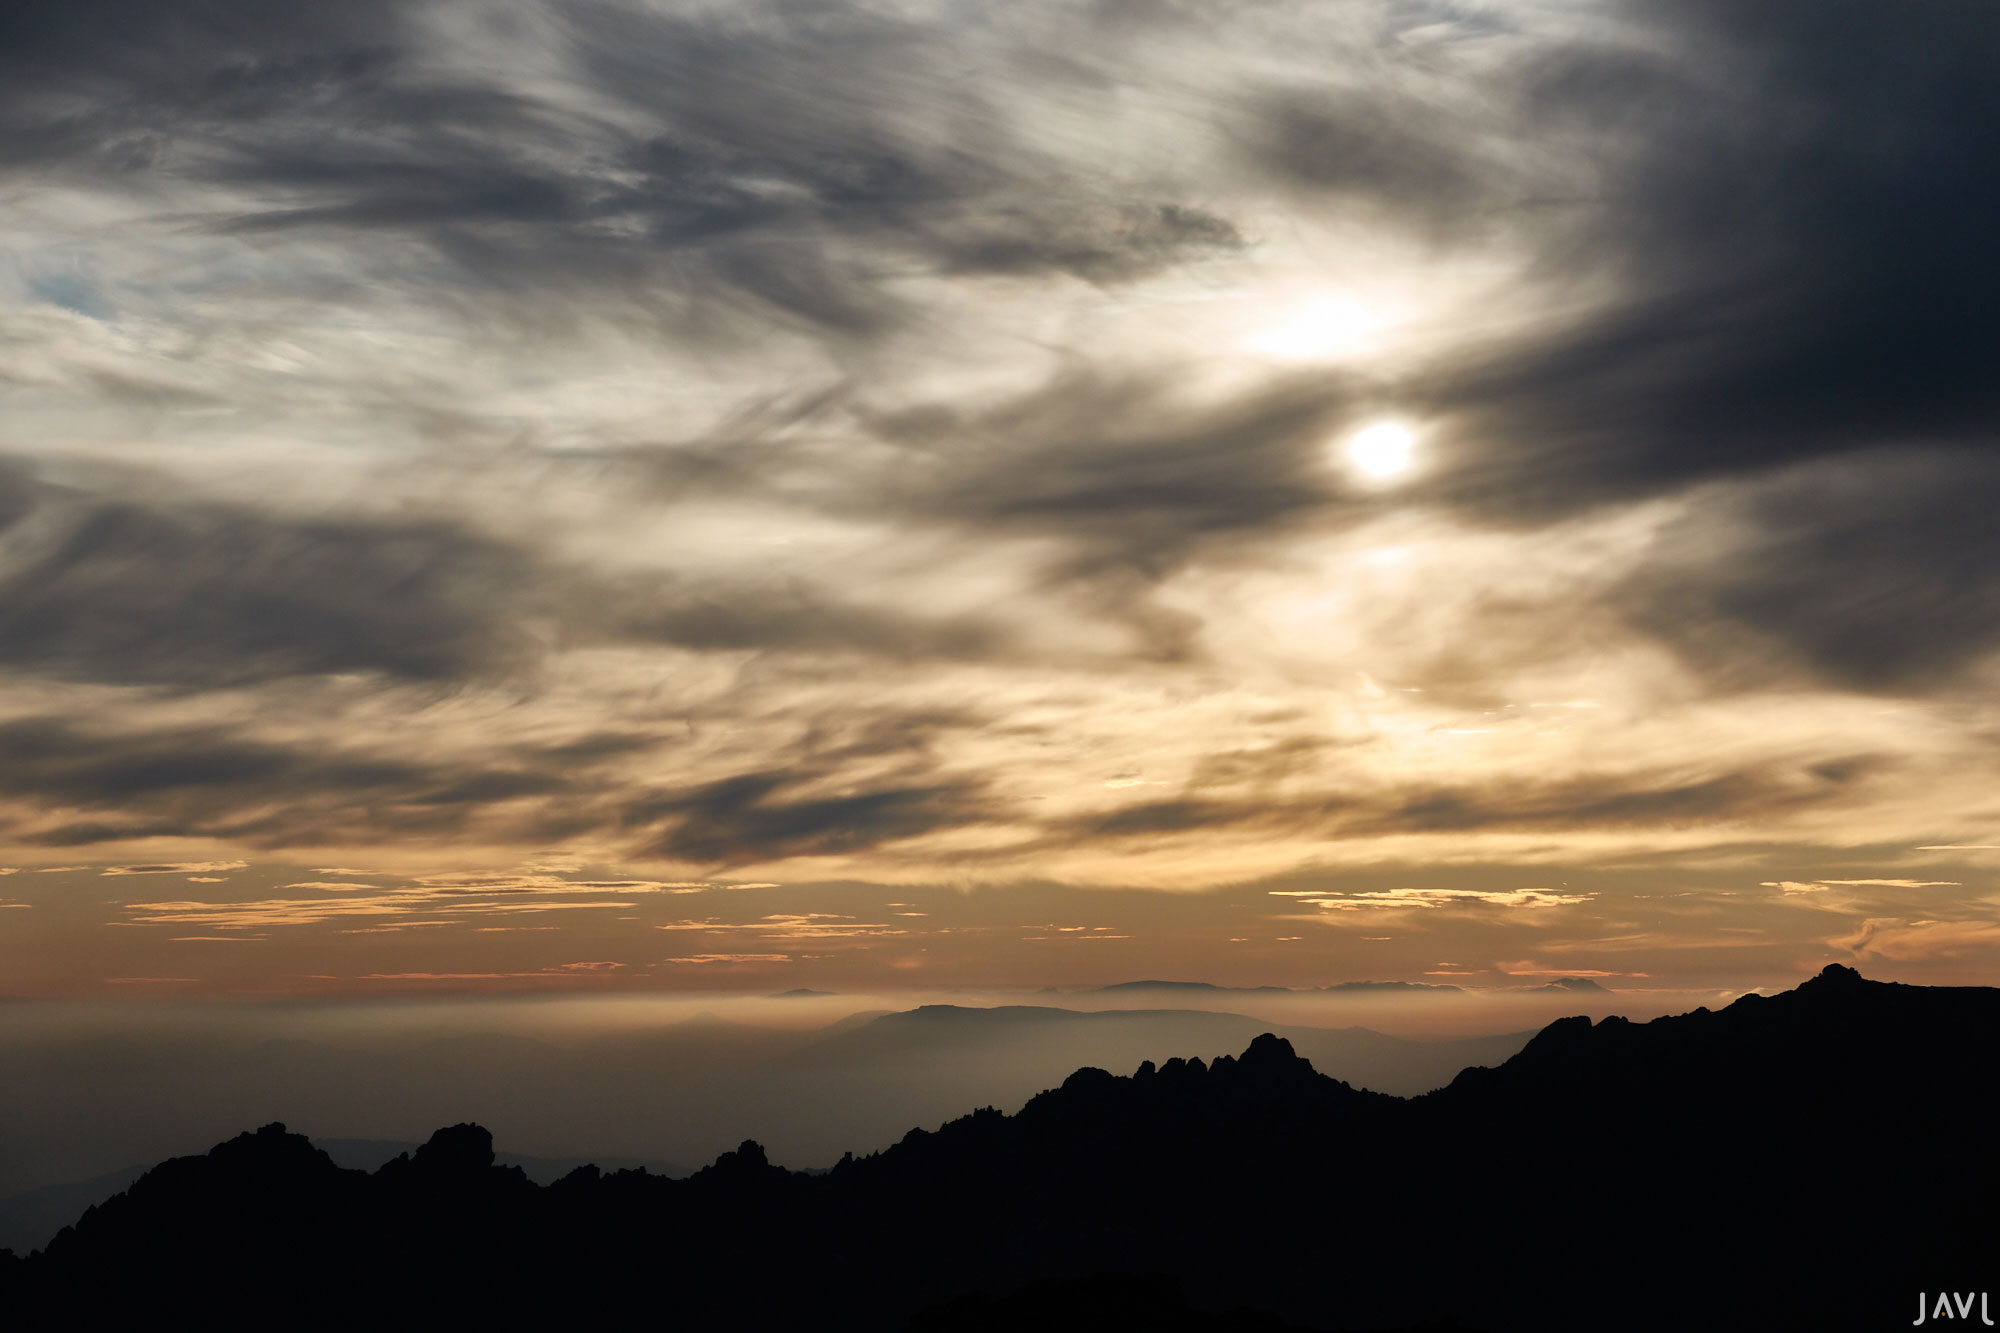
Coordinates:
(1811,1160)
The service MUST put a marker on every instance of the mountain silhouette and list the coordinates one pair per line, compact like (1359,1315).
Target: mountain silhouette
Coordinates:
(1571,985)
(371,1154)
(1808,1160)
(1337,988)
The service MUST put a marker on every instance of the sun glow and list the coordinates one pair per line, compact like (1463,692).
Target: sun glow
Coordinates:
(1383,451)
(1328,329)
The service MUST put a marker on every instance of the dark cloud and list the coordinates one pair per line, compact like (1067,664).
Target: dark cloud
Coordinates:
(179,592)
(206,594)
(863,127)
(210,782)
(108,86)
(754,817)
(106,784)
(1127,477)
(1108,244)
(53,760)
(593,748)
(793,616)
(906,731)
(1791,205)
(1124,466)
(853,781)
(1412,163)
(19,492)
(1625,802)
(733,160)
(1875,574)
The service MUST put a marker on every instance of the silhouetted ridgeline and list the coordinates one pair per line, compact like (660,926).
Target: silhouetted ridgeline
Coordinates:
(1810,1160)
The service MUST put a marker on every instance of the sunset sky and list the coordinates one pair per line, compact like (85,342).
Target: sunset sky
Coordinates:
(601,494)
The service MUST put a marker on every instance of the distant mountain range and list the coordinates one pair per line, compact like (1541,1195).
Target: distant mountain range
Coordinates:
(1810,1160)
(1397,987)
(1400,988)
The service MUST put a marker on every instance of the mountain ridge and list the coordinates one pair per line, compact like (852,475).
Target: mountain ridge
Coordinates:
(1258,1182)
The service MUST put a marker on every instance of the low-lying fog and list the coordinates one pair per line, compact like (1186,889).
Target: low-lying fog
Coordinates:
(89,1088)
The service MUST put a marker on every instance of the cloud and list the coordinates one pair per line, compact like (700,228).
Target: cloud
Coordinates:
(263,913)
(453,898)
(1126,467)
(765,815)
(1865,574)
(95,86)
(702,166)
(1387,899)
(1797,270)
(713,958)
(1904,941)
(1596,800)
(792,615)
(559,970)
(1530,969)
(175,868)
(1821,885)
(206,595)
(850,788)
(208,781)
(111,588)
(1389,149)
(792,926)
(726,436)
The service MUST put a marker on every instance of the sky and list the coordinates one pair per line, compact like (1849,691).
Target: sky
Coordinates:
(587,495)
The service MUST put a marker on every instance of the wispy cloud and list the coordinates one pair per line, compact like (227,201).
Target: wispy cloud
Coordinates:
(1901,940)
(560,970)
(712,958)
(1374,900)
(1822,885)
(730,450)
(801,926)
(175,868)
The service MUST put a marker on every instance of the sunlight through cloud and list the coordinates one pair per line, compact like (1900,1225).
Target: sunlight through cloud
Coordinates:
(1383,451)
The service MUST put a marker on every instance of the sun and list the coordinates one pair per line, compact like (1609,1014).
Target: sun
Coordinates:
(1384,451)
